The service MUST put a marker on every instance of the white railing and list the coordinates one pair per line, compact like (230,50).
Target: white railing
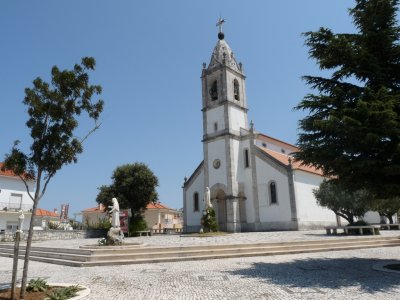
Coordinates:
(5,206)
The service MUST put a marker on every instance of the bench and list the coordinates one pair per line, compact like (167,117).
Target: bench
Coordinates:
(333,229)
(145,232)
(390,226)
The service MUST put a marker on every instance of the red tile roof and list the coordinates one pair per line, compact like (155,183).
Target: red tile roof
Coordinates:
(7,173)
(45,213)
(95,209)
(267,138)
(156,205)
(297,165)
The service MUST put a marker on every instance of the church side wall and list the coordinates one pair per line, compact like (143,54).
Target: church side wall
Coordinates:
(243,177)
(193,217)
(273,216)
(273,146)
(309,214)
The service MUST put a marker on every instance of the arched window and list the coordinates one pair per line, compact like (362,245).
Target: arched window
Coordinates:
(236,89)
(272,193)
(214,91)
(196,201)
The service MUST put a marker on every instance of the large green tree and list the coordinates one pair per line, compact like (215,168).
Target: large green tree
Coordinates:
(352,130)
(54,109)
(343,202)
(134,185)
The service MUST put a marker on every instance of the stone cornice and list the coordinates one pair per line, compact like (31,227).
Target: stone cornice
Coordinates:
(224,102)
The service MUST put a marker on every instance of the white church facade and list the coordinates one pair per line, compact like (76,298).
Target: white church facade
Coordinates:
(254,183)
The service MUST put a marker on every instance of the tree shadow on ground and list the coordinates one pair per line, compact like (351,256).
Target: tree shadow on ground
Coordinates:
(326,273)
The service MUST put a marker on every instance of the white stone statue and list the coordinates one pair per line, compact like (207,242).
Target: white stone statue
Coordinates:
(21,218)
(207,198)
(115,213)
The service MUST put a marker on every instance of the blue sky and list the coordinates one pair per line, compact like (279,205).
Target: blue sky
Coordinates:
(149,58)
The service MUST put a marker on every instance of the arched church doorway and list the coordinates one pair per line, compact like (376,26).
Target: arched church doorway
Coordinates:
(221,210)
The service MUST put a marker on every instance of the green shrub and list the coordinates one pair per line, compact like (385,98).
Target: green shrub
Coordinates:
(37,285)
(360,223)
(103,223)
(64,293)
(137,224)
(209,221)
(53,225)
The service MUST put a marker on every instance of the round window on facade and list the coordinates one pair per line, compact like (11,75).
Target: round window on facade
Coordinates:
(216,164)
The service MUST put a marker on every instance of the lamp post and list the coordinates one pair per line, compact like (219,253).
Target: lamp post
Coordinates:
(21,218)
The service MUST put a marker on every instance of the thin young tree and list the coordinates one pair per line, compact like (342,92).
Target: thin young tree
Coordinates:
(54,109)
(352,131)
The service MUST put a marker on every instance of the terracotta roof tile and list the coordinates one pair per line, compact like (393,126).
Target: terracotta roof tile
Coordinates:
(297,165)
(45,213)
(94,209)
(156,205)
(7,173)
(263,137)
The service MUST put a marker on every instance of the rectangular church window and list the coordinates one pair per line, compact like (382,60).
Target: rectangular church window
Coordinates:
(196,201)
(246,158)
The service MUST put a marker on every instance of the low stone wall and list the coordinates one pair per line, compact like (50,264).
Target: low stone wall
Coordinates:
(44,235)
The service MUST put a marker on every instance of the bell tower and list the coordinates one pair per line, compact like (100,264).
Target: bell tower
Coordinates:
(224,117)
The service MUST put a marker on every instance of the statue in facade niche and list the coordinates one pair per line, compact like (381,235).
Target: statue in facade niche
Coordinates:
(207,198)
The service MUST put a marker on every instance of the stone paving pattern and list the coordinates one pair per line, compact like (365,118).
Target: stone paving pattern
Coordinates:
(323,275)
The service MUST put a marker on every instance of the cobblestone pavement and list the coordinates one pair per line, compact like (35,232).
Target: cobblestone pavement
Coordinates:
(324,275)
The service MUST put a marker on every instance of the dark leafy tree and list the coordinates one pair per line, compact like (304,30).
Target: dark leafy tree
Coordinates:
(134,185)
(353,127)
(53,110)
(343,202)
(386,207)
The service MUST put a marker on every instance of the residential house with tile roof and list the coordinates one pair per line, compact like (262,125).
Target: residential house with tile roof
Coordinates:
(160,218)
(43,217)
(14,197)
(254,182)
(94,215)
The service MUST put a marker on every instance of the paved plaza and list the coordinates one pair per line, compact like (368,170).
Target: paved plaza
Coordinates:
(323,275)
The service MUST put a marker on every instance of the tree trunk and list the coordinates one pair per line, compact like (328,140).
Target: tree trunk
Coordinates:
(390,217)
(28,251)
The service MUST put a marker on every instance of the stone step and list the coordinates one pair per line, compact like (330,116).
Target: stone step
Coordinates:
(153,253)
(178,257)
(48,254)
(110,256)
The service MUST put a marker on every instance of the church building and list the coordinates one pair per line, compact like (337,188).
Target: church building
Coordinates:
(254,183)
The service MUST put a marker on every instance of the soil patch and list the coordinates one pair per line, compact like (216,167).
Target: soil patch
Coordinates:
(6,294)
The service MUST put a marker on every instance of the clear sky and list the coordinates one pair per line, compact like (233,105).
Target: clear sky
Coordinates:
(149,58)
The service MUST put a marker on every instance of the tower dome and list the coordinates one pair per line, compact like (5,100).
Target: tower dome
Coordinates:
(223,55)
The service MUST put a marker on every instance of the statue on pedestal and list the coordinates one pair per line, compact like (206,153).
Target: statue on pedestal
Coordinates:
(115,236)
(115,213)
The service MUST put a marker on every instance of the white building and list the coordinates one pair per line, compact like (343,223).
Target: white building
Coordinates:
(14,197)
(255,185)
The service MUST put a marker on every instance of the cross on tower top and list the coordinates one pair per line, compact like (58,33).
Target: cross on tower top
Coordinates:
(219,24)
